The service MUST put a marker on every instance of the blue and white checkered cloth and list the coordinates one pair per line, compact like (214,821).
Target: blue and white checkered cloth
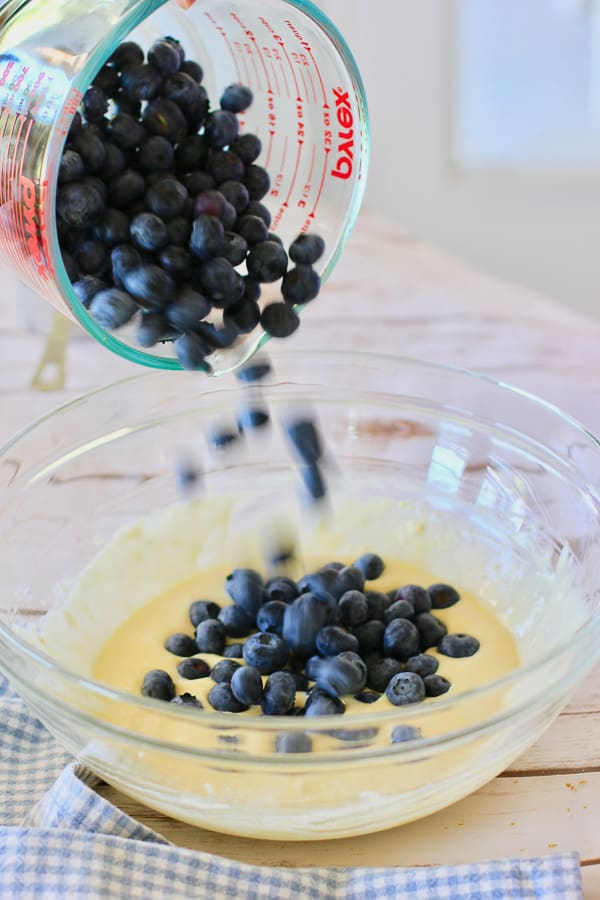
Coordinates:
(59,839)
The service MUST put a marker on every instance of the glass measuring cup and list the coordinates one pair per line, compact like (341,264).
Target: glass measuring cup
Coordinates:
(309,111)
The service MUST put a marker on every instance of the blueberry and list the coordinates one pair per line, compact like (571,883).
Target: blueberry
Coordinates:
(151,286)
(332,640)
(404,688)
(246,685)
(107,79)
(353,608)
(251,417)
(349,579)
(254,371)
(114,162)
(221,437)
(201,610)
(370,636)
(401,609)
(208,237)
(197,182)
(71,267)
(236,98)
(235,193)
(126,189)
(402,733)
(436,685)
(267,262)
(191,154)
(112,228)
(279,694)
(281,588)
(187,475)
(124,258)
(245,587)
(248,147)
(92,258)
(265,652)
(155,154)
(196,113)
(181,645)
(87,287)
(179,230)
(401,639)
(125,103)
(318,703)
(188,309)
(141,82)
(252,229)
(458,646)
(71,167)
(126,132)
(193,69)
(302,621)
(303,435)
(258,209)
(216,338)
(221,129)
(234,248)
(236,621)
(422,664)
(242,316)
(210,636)
(222,698)
(442,596)
(127,55)
(377,603)
(345,673)
(431,630)
(113,308)
(90,148)
(301,680)
(158,684)
(270,617)
(371,565)
(167,198)
(148,232)
(164,56)
(306,250)
(80,203)
(225,165)
(293,742)
(300,285)
(177,261)
(256,180)
(187,699)
(222,284)
(313,481)
(192,351)
(381,671)
(75,127)
(224,670)
(164,118)
(417,596)
(320,583)
(177,45)
(234,651)
(367,697)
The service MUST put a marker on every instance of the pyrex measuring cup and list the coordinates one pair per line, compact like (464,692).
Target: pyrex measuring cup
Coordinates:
(309,112)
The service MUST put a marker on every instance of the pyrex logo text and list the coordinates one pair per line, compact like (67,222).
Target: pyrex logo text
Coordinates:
(345,151)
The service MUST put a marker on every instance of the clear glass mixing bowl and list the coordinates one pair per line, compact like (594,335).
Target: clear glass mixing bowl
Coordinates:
(510,481)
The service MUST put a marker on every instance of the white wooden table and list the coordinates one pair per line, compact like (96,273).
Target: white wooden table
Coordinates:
(421,303)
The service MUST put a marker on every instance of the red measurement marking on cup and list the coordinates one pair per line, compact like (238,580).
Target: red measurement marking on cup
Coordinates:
(225,36)
(276,51)
(257,50)
(269,57)
(298,62)
(306,189)
(237,45)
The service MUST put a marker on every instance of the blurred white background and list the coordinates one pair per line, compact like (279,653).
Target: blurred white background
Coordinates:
(485,120)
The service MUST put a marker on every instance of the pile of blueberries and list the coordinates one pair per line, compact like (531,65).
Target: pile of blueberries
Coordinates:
(326,635)
(159,210)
